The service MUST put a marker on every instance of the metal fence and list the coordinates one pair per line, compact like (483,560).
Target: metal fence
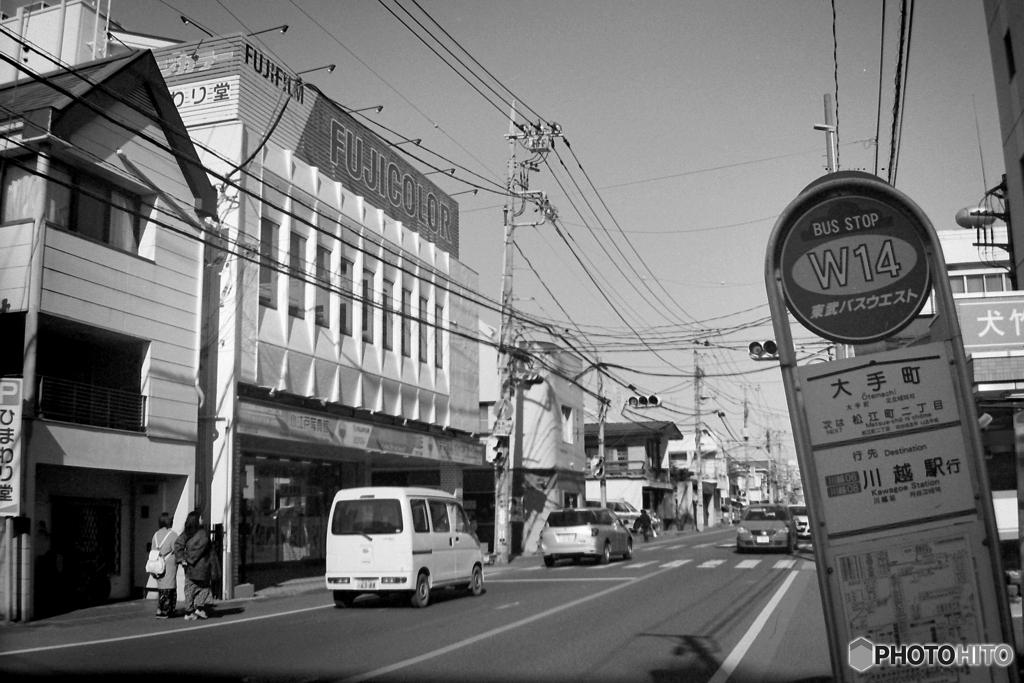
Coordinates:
(88,404)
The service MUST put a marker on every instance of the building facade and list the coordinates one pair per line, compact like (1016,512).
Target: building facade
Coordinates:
(101,285)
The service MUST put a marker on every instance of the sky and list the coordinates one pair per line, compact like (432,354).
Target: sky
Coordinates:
(687,128)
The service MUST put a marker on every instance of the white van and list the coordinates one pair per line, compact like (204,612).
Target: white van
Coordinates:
(390,539)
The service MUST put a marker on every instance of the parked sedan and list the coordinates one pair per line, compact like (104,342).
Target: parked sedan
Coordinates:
(584,532)
(802,522)
(765,527)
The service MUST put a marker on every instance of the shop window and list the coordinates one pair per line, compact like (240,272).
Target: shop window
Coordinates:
(92,208)
(387,325)
(407,323)
(268,262)
(345,308)
(367,306)
(439,337)
(323,286)
(423,329)
(297,276)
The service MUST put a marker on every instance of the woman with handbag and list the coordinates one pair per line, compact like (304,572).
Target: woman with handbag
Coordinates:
(166,583)
(193,549)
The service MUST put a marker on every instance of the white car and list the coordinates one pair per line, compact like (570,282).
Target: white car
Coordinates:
(624,510)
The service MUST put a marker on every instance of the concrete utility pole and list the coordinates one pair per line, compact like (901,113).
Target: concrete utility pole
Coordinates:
(830,135)
(602,411)
(696,442)
(511,359)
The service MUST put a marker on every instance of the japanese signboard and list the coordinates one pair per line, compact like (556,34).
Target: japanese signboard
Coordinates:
(206,102)
(854,270)
(10,447)
(992,323)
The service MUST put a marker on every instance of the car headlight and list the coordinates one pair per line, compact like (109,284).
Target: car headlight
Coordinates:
(741,531)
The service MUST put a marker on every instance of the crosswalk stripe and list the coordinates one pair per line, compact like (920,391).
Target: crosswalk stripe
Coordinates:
(675,547)
(784,564)
(710,564)
(675,563)
(637,565)
(748,564)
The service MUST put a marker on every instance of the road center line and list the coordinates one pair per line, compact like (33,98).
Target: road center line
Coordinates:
(495,632)
(734,658)
(188,629)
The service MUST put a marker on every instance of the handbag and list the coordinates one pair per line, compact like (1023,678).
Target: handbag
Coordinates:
(155,565)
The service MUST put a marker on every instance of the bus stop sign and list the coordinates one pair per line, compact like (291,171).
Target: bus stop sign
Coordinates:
(854,267)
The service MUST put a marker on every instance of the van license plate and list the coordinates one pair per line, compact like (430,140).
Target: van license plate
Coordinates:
(565,538)
(366,585)
(762,539)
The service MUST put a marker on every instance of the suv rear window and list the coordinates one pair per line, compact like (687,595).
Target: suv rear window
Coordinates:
(372,516)
(797,510)
(765,514)
(570,518)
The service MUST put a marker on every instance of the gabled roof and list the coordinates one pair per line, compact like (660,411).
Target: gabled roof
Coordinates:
(633,430)
(60,102)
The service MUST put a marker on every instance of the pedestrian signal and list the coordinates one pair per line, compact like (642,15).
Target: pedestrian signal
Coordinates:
(651,401)
(764,350)
(497,449)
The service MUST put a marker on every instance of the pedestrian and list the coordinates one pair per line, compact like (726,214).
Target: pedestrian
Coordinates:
(166,583)
(643,522)
(192,549)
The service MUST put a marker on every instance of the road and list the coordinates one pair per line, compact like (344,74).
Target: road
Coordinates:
(684,608)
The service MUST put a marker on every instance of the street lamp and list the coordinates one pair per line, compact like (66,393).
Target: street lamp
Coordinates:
(282,29)
(474,191)
(416,142)
(329,67)
(378,109)
(188,22)
(449,171)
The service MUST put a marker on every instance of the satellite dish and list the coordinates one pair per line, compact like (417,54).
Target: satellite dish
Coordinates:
(975,217)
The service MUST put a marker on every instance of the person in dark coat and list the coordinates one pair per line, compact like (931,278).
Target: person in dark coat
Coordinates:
(192,549)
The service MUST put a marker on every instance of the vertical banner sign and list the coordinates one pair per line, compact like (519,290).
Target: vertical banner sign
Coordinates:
(888,442)
(10,447)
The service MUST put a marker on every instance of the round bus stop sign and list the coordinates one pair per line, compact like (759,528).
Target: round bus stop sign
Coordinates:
(854,266)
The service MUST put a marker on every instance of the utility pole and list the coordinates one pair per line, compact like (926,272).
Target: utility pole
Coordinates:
(696,441)
(511,359)
(830,135)
(602,410)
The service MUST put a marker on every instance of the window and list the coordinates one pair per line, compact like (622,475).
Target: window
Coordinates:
(20,190)
(568,431)
(1011,65)
(622,453)
(956,284)
(387,325)
(345,309)
(297,276)
(994,282)
(420,521)
(378,516)
(268,263)
(323,285)
(407,323)
(367,307)
(439,514)
(439,337)
(423,329)
(92,208)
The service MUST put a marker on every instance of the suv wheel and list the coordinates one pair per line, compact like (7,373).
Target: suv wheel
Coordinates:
(628,555)
(606,554)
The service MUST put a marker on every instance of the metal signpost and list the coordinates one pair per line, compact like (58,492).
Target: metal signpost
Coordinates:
(888,440)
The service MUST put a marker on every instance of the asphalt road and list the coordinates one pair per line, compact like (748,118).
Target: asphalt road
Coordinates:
(685,608)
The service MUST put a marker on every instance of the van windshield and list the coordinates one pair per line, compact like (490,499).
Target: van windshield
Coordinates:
(369,516)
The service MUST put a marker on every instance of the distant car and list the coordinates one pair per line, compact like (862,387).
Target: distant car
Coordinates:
(802,522)
(576,533)
(624,510)
(764,527)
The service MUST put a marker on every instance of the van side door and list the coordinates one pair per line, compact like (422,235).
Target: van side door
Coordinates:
(465,543)
(441,544)
(422,537)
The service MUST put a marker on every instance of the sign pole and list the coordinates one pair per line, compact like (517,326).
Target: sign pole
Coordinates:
(888,441)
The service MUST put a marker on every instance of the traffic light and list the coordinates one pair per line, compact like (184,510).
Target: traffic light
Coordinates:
(764,350)
(531,378)
(651,401)
(598,470)
(497,450)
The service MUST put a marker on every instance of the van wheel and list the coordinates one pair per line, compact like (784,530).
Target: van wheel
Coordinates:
(421,596)
(628,555)
(606,554)
(343,599)
(476,581)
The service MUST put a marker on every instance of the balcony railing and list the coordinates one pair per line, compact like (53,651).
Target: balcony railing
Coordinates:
(87,404)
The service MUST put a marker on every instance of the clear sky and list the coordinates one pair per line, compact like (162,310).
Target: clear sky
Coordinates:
(693,121)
